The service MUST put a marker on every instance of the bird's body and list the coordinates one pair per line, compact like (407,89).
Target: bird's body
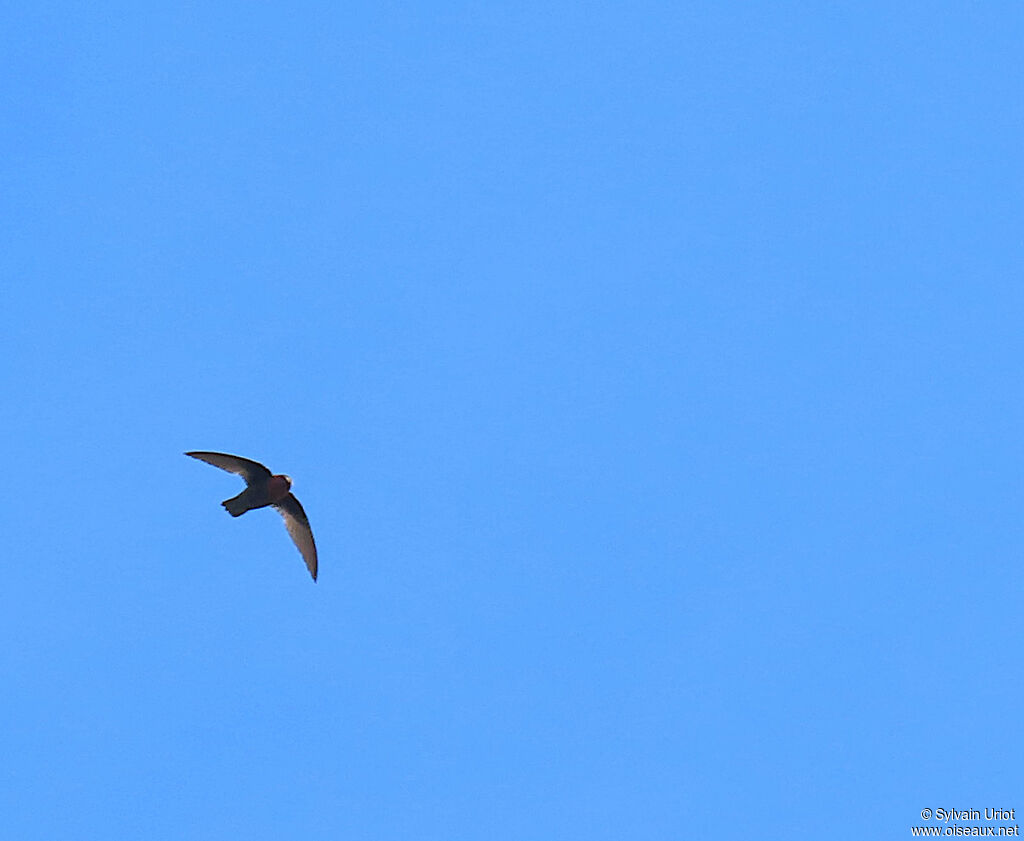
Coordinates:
(259,494)
(263,488)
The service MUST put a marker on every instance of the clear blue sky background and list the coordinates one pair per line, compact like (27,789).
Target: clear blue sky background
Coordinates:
(650,372)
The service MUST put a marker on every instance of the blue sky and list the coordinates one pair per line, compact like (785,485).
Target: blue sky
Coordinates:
(650,374)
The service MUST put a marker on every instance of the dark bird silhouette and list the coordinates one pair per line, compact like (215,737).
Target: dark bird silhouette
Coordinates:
(263,488)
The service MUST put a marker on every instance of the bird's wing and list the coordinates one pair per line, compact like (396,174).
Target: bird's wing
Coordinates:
(246,468)
(297,523)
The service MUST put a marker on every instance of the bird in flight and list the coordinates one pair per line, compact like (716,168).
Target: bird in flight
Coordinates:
(262,489)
